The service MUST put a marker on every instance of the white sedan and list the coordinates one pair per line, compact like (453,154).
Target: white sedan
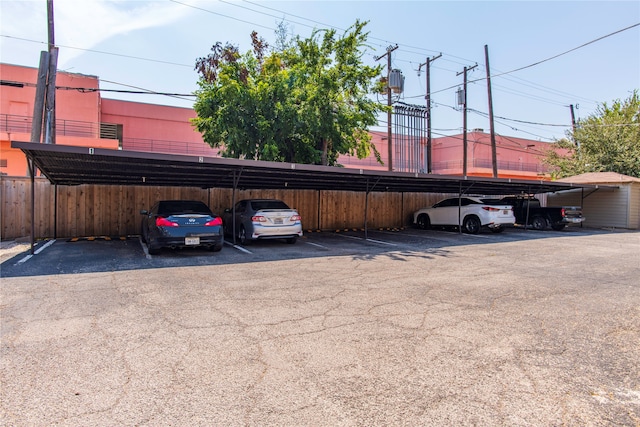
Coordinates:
(469,212)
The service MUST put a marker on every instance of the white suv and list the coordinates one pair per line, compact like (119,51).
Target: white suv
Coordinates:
(469,212)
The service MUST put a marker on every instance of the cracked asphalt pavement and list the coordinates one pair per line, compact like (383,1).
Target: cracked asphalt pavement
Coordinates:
(433,328)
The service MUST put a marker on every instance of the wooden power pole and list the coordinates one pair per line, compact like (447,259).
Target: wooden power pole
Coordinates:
(464,120)
(428,98)
(389,135)
(494,154)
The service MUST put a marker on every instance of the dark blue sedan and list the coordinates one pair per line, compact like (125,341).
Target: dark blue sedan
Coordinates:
(181,224)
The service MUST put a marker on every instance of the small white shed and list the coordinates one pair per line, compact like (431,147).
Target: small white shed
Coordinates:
(604,207)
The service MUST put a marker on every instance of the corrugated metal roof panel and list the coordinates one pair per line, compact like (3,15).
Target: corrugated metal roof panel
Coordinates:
(68,165)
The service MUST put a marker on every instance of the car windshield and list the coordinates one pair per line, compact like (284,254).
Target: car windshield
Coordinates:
(268,204)
(183,207)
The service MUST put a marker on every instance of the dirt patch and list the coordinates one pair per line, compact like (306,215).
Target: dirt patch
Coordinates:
(11,248)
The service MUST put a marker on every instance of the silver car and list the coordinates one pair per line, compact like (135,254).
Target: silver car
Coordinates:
(262,219)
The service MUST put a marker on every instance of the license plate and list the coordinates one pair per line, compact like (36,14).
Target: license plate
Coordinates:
(277,220)
(505,212)
(189,241)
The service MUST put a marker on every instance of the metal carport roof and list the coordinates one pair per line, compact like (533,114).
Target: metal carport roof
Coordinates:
(70,165)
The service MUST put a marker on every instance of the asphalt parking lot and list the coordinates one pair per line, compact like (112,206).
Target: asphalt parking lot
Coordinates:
(406,327)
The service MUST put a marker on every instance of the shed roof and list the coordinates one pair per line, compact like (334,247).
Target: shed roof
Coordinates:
(69,165)
(600,178)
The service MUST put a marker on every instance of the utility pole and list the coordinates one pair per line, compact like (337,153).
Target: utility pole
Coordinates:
(573,127)
(38,105)
(573,123)
(389,136)
(50,106)
(428,97)
(464,120)
(494,154)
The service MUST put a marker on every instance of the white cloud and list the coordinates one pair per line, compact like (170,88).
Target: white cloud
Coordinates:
(85,24)
(81,24)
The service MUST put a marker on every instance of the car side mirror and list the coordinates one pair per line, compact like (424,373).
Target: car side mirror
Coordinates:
(144,212)
(227,210)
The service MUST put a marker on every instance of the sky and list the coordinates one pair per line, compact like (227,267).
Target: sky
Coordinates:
(544,55)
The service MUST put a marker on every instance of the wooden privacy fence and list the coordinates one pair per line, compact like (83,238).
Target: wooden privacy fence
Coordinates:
(114,210)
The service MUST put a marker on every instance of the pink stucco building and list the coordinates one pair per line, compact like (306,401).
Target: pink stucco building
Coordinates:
(85,118)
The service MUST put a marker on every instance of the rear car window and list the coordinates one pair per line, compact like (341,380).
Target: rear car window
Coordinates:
(269,204)
(180,207)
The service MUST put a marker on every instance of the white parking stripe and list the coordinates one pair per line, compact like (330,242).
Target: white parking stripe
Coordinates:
(381,242)
(240,248)
(316,244)
(144,248)
(368,240)
(49,243)
(479,236)
(25,259)
(36,252)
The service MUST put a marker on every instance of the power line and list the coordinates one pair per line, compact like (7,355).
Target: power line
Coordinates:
(570,50)
(386,42)
(482,113)
(547,59)
(101,52)
(221,14)
(141,91)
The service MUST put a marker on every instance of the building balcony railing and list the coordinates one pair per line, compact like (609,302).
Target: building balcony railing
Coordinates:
(503,165)
(169,147)
(22,124)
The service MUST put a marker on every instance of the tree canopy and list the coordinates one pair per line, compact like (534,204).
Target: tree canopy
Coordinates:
(606,141)
(304,102)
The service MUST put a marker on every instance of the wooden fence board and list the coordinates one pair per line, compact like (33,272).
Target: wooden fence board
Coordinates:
(104,210)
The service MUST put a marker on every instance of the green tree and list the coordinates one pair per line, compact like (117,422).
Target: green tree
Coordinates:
(306,102)
(606,141)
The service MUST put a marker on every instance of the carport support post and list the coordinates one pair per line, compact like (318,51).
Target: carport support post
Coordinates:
(459,206)
(366,209)
(526,220)
(55,211)
(33,202)
(236,179)
(318,212)
(582,205)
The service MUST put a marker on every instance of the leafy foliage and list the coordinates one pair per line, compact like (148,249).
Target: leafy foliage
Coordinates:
(607,141)
(305,102)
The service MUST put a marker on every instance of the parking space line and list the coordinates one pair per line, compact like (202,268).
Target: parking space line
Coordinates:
(316,244)
(240,248)
(444,236)
(368,240)
(479,236)
(46,245)
(381,242)
(36,252)
(144,248)
(25,259)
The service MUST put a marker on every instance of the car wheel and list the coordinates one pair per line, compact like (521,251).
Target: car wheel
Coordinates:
(292,240)
(154,250)
(558,227)
(538,223)
(497,229)
(471,225)
(424,222)
(242,236)
(215,248)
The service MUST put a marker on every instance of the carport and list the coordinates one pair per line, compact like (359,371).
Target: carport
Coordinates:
(70,165)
